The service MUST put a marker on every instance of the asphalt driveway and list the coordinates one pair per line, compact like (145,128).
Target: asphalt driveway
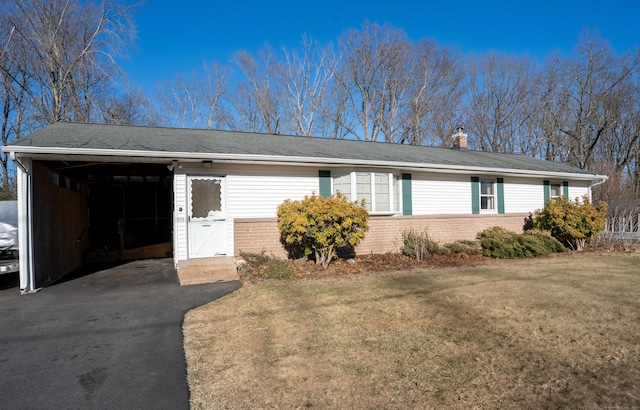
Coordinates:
(106,340)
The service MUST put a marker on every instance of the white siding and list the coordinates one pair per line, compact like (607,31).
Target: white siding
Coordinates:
(523,195)
(257,192)
(578,189)
(180,217)
(435,194)
(527,194)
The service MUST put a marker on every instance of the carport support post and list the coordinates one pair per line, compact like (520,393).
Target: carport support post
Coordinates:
(25,227)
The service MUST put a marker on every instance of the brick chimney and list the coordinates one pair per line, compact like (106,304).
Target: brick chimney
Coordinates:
(459,139)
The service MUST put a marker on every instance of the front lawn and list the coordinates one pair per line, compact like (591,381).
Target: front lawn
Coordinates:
(555,332)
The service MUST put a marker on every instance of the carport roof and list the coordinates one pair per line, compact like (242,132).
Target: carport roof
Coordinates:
(156,144)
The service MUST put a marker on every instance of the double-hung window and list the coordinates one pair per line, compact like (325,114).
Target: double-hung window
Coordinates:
(379,190)
(487,195)
(555,190)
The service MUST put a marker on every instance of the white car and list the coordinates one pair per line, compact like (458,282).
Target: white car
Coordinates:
(8,236)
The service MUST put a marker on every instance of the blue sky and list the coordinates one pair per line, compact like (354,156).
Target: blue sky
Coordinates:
(179,36)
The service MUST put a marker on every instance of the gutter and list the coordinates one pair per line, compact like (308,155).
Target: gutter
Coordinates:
(602,181)
(285,160)
(596,183)
(15,159)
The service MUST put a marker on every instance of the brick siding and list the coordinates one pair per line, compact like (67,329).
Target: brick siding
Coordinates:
(257,235)
(385,232)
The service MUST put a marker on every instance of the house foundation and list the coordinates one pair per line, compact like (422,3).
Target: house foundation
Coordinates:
(385,233)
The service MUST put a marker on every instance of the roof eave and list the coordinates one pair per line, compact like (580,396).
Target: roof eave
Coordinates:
(111,154)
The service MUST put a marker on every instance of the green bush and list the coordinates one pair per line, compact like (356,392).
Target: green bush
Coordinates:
(495,231)
(266,266)
(573,223)
(418,245)
(321,226)
(467,247)
(455,247)
(497,242)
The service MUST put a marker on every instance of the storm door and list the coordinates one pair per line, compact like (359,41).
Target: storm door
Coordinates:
(207,217)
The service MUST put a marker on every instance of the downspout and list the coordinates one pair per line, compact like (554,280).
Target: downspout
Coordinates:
(26,273)
(596,184)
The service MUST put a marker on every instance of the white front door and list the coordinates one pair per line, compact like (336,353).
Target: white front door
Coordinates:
(207,217)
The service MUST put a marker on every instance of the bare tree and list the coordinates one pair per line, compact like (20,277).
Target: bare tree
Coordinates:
(594,82)
(266,96)
(58,62)
(543,129)
(498,87)
(13,78)
(216,85)
(305,76)
(434,96)
(131,108)
(69,49)
(618,151)
(336,120)
(375,76)
(194,101)
(245,114)
(177,104)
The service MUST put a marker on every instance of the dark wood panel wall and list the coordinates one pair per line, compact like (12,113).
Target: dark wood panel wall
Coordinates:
(60,225)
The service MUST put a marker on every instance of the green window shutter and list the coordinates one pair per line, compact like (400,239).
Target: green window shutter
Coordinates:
(565,189)
(547,191)
(500,195)
(325,183)
(475,195)
(407,200)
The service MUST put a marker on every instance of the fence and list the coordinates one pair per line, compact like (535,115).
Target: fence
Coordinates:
(625,225)
(622,230)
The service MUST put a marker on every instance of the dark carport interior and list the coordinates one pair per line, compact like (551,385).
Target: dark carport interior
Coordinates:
(100,212)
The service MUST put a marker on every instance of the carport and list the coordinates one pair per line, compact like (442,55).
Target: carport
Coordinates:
(78,212)
(85,202)
(103,193)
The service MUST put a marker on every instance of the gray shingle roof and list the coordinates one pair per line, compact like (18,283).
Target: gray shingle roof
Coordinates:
(175,140)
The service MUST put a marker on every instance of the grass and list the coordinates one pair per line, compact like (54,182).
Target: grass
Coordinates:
(557,332)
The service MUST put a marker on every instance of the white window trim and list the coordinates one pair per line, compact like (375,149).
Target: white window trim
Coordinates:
(372,181)
(494,195)
(560,189)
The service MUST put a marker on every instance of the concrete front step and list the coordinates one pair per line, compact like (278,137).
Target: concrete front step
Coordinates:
(207,270)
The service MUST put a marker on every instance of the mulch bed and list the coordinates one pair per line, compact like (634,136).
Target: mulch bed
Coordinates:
(389,262)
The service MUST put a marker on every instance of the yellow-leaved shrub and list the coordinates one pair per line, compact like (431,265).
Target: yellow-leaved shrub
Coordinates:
(573,223)
(320,226)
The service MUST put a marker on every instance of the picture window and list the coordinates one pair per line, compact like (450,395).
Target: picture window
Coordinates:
(379,190)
